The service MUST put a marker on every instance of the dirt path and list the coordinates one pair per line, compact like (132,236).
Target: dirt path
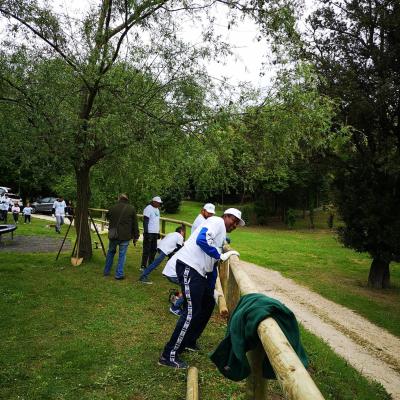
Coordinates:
(371,350)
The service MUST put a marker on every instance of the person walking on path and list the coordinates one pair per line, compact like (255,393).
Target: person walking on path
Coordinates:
(207,211)
(151,231)
(15,212)
(169,245)
(196,271)
(122,228)
(59,212)
(27,212)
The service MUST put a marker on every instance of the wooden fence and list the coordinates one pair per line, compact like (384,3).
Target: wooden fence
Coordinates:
(291,374)
(102,221)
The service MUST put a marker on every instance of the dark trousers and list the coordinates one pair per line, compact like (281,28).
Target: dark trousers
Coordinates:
(27,218)
(149,248)
(15,216)
(197,309)
(4,215)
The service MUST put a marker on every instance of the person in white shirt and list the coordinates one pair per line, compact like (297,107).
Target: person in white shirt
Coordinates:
(207,211)
(59,212)
(4,207)
(27,212)
(196,271)
(167,246)
(15,212)
(151,231)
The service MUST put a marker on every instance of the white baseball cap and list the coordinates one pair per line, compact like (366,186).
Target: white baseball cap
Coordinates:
(237,214)
(210,208)
(157,199)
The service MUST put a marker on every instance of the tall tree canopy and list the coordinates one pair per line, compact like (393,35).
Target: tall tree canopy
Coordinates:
(93,84)
(356,47)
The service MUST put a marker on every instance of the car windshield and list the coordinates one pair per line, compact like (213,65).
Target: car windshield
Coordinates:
(13,196)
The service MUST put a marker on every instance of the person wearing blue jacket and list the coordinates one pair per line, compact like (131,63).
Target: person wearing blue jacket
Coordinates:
(196,272)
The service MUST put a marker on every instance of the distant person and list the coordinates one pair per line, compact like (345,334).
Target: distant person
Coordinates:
(197,272)
(15,210)
(122,228)
(4,207)
(27,212)
(207,211)
(59,212)
(151,231)
(69,210)
(167,246)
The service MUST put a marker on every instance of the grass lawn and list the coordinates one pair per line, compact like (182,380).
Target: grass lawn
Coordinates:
(316,259)
(69,333)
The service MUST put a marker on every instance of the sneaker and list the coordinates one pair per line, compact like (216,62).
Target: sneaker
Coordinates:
(145,279)
(194,347)
(142,268)
(119,278)
(176,312)
(178,364)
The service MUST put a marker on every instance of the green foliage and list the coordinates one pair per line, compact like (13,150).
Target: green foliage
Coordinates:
(172,200)
(360,67)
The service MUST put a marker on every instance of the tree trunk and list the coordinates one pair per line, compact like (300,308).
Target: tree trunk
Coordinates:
(379,274)
(81,215)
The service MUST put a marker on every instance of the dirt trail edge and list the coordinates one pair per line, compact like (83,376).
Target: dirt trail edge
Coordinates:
(371,350)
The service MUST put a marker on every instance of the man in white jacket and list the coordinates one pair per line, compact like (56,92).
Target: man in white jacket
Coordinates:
(207,211)
(196,272)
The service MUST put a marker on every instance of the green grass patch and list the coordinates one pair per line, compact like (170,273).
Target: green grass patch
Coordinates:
(69,333)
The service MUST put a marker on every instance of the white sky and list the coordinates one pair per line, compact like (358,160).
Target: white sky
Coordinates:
(246,63)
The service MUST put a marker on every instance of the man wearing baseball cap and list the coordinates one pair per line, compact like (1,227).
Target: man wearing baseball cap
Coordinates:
(196,272)
(207,211)
(151,231)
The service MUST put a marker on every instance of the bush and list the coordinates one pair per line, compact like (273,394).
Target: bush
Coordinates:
(171,201)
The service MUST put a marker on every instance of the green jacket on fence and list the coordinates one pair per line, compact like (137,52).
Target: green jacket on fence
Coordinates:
(230,355)
(123,217)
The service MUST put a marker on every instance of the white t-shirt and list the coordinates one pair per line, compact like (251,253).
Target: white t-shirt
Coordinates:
(153,214)
(169,243)
(170,267)
(194,256)
(59,208)
(27,211)
(197,222)
(4,203)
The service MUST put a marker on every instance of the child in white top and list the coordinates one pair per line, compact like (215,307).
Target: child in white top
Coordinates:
(27,211)
(15,212)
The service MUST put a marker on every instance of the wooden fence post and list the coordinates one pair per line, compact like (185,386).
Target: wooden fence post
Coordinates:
(192,388)
(256,384)
(163,227)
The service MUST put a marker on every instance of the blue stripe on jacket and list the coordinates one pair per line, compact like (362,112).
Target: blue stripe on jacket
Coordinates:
(202,242)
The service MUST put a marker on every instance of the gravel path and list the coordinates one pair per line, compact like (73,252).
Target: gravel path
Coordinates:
(371,350)
(34,244)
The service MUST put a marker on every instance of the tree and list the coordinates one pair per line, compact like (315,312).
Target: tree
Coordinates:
(90,103)
(356,48)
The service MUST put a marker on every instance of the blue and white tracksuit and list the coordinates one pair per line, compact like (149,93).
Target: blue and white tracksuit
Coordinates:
(197,273)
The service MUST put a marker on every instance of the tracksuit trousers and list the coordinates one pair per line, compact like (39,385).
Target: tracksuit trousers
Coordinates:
(198,306)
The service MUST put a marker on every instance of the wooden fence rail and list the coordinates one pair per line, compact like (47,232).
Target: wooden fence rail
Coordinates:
(104,223)
(293,377)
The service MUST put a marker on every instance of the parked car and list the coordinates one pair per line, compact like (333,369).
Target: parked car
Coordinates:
(15,198)
(43,205)
(4,189)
